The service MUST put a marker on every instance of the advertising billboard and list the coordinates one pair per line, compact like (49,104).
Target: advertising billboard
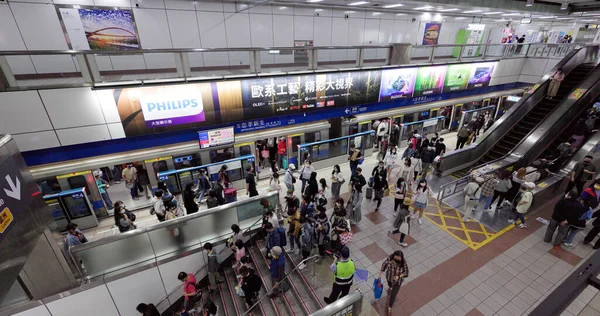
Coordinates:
(216,137)
(430,80)
(431,33)
(457,77)
(481,74)
(397,83)
(100,29)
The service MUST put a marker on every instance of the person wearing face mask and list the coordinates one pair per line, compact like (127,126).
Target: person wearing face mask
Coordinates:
(566,212)
(400,193)
(130,176)
(354,205)
(472,194)
(390,160)
(305,172)
(420,198)
(396,270)
(122,219)
(357,178)
(380,184)
(337,179)
(582,172)
(522,203)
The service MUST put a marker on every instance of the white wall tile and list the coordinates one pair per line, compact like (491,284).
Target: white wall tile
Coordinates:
(153,28)
(144,286)
(22,112)
(180,5)
(262,9)
(212,29)
(39,26)
(113,3)
(322,31)
(386,28)
(37,140)
(53,63)
(116,130)
(303,28)
(184,29)
(283,10)
(237,27)
(283,31)
(104,63)
(92,302)
(209,6)
(10,37)
(304,11)
(36,311)
(371,32)
(356,28)
(20,64)
(160,61)
(108,105)
(83,135)
(148,4)
(129,62)
(72,107)
(261,28)
(339,32)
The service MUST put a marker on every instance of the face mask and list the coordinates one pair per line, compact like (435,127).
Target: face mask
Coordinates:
(397,261)
(122,211)
(421,184)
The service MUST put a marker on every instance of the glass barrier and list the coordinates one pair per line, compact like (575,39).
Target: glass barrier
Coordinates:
(334,147)
(187,233)
(424,127)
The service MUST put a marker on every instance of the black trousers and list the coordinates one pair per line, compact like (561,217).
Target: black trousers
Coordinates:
(498,194)
(460,142)
(397,203)
(577,184)
(336,291)
(591,235)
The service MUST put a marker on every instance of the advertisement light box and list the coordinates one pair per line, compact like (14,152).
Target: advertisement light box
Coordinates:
(216,137)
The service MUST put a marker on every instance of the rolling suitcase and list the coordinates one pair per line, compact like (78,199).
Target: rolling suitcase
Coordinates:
(230,194)
(369,193)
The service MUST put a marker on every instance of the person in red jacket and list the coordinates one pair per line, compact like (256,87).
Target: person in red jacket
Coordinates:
(281,149)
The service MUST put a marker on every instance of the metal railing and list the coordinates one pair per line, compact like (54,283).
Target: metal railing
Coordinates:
(73,68)
(350,304)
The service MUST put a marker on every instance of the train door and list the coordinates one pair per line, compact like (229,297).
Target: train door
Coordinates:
(456,115)
(314,152)
(446,112)
(84,179)
(156,165)
(434,112)
(424,115)
(486,102)
(293,141)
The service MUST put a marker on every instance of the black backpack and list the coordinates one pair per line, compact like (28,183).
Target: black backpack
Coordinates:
(253,282)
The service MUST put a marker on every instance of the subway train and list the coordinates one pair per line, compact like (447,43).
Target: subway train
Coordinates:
(277,146)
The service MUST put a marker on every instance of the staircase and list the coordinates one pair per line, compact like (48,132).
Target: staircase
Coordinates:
(541,110)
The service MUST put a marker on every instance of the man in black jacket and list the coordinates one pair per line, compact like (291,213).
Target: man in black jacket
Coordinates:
(251,284)
(566,212)
(427,157)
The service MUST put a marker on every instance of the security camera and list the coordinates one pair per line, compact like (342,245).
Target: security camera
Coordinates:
(414,19)
(317,14)
(137,5)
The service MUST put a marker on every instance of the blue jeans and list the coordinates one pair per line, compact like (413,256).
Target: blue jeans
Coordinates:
(571,235)
(292,239)
(520,216)
(488,201)
(202,193)
(134,190)
(304,181)
(107,201)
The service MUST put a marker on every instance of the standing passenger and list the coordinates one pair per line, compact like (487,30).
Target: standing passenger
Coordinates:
(190,204)
(102,186)
(251,183)
(337,179)
(288,178)
(354,205)
(555,81)
(130,176)
(354,157)
(343,273)
(305,172)
(396,270)
(420,198)
(214,277)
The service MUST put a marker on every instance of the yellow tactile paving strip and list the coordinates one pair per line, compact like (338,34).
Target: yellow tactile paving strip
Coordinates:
(449,219)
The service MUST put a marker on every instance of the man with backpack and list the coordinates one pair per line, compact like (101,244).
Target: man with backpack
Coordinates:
(427,157)
(251,285)
(191,292)
(307,240)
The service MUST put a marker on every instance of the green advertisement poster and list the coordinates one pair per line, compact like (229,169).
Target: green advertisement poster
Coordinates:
(457,77)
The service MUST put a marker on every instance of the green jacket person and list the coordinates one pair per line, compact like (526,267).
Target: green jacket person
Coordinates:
(343,273)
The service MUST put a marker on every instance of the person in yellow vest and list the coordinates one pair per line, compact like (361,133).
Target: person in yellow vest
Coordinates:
(343,273)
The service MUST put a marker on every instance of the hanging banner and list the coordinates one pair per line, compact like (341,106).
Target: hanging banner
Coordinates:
(431,33)
(99,29)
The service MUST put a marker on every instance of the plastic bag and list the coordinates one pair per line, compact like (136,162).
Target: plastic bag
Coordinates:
(239,291)
(377,288)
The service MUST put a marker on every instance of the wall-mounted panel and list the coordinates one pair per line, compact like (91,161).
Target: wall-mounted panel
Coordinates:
(356,29)
(53,64)
(184,29)
(72,107)
(149,4)
(283,31)
(39,26)
(113,3)
(214,6)
(153,28)
(83,135)
(37,311)
(93,302)
(128,292)
(261,28)
(129,62)
(37,140)
(303,28)
(22,112)
(180,5)
(108,106)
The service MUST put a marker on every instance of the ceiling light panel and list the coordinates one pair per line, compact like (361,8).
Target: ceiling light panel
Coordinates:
(358,3)
(393,6)
(472,11)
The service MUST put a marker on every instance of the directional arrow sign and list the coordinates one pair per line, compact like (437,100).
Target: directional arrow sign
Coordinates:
(15,188)
(347,111)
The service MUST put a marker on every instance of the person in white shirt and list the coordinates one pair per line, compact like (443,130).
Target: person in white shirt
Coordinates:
(337,179)
(406,171)
(158,205)
(288,178)
(522,203)
(305,173)
(390,160)
(420,198)
(472,194)
(415,161)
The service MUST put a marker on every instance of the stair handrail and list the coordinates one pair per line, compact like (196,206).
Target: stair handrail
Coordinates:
(285,277)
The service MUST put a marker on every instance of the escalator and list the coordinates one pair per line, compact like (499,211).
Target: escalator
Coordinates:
(536,115)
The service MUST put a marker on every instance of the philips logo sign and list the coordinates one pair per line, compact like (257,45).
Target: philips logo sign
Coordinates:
(172,105)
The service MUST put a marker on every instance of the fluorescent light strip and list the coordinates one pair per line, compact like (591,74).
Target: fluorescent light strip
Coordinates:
(461,18)
(358,3)
(393,6)
(448,10)
(546,17)
(511,14)
(472,11)
(490,13)
(427,7)
(314,1)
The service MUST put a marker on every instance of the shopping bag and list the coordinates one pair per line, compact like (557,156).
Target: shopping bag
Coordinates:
(377,288)
(345,238)
(239,291)
(404,227)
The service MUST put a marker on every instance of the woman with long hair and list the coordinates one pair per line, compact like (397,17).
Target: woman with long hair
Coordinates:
(313,186)
(406,170)
(336,182)
(518,178)
(504,185)
(390,160)
(188,199)
(396,270)
(420,198)
(400,193)
(122,221)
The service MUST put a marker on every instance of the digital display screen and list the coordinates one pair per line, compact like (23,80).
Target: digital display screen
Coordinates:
(397,83)
(216,137)
(457,77)
(481,74)
(430,80)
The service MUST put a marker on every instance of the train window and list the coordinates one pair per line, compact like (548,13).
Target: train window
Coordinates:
(78,182)
(312,137)
(160,166)
(218,155)
(295,141)
(187,161)
(245,150)
(423,115)
(49,186)
(352,129)
(409,118)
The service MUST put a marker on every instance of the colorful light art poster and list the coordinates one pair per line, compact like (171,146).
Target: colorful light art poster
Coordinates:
(430,80)
(397,83)
(100,29)
(457,77)
(481,74)
(431,33)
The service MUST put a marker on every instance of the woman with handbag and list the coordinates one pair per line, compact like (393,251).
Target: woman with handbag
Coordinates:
(402,222)
(396,270)
(339,225)
(122,221)
(337,179)
(322,231)
(354,205)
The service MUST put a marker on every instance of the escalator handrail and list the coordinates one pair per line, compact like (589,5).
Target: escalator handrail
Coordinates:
(592,79)
(455,160)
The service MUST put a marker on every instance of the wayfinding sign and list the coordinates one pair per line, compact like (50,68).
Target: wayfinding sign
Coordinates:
(13,201)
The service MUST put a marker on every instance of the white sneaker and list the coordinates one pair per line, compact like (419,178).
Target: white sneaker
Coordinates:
(420,221)
(512,221)
(403,244)
(301,266)
(568,244)
(263,250)
(522,225)
(287,249)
